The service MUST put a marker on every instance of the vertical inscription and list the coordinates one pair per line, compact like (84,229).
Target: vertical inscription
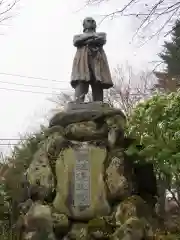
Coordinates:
(82,178)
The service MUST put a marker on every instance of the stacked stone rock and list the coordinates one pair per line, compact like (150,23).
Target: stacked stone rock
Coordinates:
(81,185)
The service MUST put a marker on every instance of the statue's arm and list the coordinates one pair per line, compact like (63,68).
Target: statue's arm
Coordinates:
(80,40)
(100,39)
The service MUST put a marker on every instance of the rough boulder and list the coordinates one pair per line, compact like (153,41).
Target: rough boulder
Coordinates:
(81,183)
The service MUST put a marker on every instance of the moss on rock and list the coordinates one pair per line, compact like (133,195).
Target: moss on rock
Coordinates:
(85,131)
(132,229)
(61,224)
(117,183)
(100,228)
(133,206)
(55,129)
(167,236)
(81,161)
(54,144)
(116,121)
(38,235)
(39,171)
(78,231)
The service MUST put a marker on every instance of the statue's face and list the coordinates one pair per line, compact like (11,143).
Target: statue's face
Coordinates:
(89,24)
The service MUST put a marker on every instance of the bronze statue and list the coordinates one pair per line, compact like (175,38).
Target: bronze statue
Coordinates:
(90,66)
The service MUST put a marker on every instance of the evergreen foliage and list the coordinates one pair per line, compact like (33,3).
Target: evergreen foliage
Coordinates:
(171,54)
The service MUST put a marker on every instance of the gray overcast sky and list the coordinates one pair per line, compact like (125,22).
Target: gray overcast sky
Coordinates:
(38,43)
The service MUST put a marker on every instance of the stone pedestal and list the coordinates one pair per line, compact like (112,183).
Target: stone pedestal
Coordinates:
(82,168)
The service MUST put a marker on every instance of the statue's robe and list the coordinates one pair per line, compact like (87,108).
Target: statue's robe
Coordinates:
(84,63)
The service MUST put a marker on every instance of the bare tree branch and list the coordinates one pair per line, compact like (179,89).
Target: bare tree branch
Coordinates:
(61,100)
(157,33)
(152,11)
(156,16)
(6,8)
(129,88)
(119,12)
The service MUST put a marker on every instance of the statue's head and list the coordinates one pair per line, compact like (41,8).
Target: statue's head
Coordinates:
(89,24)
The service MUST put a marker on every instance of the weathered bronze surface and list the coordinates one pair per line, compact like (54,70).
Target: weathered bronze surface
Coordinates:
(90,65)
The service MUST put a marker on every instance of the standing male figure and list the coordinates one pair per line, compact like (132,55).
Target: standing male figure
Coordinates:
(90,65)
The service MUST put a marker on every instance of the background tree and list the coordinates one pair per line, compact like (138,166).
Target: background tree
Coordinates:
(171,54)
(6,7)
(155,125)
(165,83)
(154,16)
(12,170)
(129,88)
(169,79)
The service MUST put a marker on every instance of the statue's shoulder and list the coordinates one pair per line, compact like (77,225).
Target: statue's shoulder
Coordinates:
(101,34)
(81,35)
(78,35)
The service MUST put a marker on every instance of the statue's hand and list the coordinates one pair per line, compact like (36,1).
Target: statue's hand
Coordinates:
(99,40)
(83,39)
(90,40)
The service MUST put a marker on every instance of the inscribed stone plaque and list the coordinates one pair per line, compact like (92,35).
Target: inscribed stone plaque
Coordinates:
(82,178)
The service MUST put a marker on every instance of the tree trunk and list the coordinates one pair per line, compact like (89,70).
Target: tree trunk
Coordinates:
(164,183)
